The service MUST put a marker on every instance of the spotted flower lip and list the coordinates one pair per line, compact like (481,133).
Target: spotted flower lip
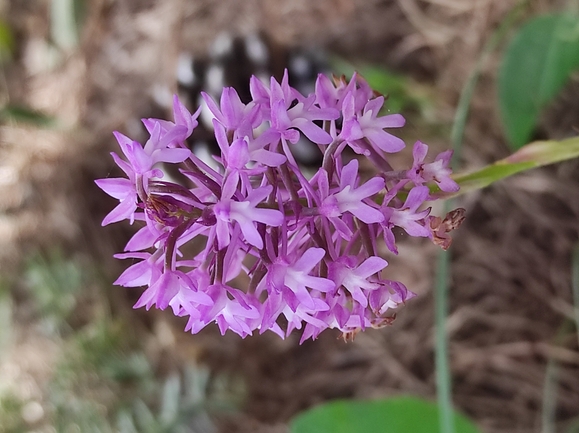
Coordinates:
(259,244)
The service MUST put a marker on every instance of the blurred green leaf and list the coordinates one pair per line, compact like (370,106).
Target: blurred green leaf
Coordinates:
(6,41)
(403,94)
(171,399)
(536,154)
(396,87)
(145,419)
(574,427)
(394,415)
(196,380)
(125,422)
(63,23)
(536,66)
(100,346)
(54,282)
(18,113)
(11,414)
(128,368)
(5,318)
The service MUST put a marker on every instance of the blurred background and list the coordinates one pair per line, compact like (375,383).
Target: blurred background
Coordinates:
(75,356)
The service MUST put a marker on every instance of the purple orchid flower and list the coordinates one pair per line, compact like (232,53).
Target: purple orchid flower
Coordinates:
(437,171)
(276,247)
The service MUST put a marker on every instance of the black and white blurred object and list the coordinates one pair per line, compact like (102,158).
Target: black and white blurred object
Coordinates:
(230,62)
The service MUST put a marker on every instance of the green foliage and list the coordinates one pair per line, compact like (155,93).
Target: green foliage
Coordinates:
(403,94)
(574,427)
(103,382)
(65,21)
(106,348)
(575,287)
(80,392)
(5,318)
(21,114)
(394,415)
(533,155)
(10,414)
(536,66)
(54,282)
(106,384)
(181,410)
(6,42)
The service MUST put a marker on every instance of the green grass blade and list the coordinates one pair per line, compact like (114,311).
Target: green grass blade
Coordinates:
(533,155)
(575,287)
(443,377)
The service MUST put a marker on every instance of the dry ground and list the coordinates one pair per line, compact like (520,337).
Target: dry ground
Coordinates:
(510,298)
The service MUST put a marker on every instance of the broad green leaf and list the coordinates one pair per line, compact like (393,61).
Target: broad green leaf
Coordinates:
(536,154)
(536,66)
(394,415)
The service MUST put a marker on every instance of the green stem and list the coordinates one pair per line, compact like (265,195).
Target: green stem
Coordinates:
(550,388)
(462,109)
(575,287)
(548,413)
(443,379)
(443,376)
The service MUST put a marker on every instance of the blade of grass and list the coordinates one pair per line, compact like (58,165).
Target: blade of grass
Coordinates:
(575,286)
(461,115)
(532,155)
(443,379)
(63,24)
(551,385)
(443,376)
(548,413)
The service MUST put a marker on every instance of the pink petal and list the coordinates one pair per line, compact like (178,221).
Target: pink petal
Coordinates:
(310,258)
(419,152)
(117,187)
(312,131)
(370,266)
(125,210)
(367,214)
(384,141)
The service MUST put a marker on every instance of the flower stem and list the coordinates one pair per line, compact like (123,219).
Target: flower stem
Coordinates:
(443,379)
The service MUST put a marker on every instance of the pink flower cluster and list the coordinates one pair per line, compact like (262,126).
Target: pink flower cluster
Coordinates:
(257,243)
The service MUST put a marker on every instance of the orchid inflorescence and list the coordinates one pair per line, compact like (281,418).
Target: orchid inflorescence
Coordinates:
(254,242)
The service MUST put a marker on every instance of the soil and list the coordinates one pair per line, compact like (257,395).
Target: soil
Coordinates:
(511,307)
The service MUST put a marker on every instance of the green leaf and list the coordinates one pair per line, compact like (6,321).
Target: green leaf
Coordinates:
(533,155)
(65,18)
(574,427)
(125,422)
(403,94)
(394,415)
(6,41)
(21,114)
(536,66)
(171,400)
(146,421)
